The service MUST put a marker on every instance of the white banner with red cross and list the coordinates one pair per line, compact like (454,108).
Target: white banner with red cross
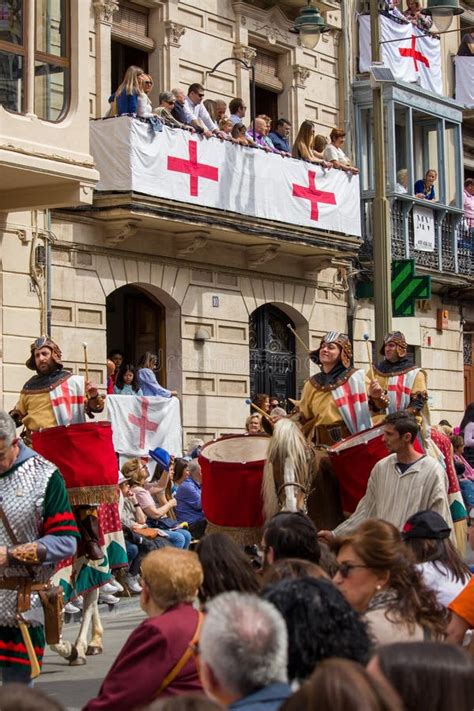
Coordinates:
(411,54)
(182,167)
(143,423)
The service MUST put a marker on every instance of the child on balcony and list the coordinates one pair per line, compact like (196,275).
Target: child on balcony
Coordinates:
(126,383)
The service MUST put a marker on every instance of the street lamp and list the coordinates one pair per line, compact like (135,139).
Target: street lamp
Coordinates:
(250,67)
(309,24)
(442,12)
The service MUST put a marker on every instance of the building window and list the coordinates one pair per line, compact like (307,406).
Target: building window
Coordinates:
(35,66)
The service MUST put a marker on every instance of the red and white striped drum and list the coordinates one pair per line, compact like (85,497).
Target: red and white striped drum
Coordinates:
(352,460)
(232,471)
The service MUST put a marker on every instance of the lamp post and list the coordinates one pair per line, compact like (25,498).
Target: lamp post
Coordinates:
(250,67)
(442,12)
(381,238)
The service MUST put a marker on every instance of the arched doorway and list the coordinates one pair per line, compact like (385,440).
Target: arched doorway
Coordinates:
(272,353)
(135,324)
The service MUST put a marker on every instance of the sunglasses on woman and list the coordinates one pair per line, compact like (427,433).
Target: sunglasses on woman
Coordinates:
(344,569)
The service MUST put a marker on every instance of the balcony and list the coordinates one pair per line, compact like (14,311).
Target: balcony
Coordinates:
(236,193)
(451,255)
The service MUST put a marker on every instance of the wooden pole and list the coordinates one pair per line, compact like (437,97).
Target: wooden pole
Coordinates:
(86,363)
(297,337)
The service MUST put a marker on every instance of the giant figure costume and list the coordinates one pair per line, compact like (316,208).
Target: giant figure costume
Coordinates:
(52,400)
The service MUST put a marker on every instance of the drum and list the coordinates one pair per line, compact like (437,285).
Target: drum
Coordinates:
(84,454)
(352,460)
(232,471)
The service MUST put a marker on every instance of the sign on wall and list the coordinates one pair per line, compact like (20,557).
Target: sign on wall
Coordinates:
(423,229)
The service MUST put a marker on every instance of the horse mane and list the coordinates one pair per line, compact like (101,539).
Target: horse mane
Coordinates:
(287,442)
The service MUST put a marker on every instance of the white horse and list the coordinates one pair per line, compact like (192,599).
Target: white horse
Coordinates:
(287,472)
(75,653)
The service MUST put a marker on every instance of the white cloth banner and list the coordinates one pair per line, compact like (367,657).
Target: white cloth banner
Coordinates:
(465,81)
(143,423)
(179,166)
(411,56)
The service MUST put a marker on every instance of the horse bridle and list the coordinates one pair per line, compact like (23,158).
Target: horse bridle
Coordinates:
(291,483)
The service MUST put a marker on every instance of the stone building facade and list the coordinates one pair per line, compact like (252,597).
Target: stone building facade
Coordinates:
(212,293)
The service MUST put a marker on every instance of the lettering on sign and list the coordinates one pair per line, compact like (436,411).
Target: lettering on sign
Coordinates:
(423,229)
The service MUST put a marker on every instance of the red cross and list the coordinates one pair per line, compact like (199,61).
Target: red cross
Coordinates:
(194,169)
(413,52)
(312,194)
(399,389)
(143,422)
(67,399)
(349,399)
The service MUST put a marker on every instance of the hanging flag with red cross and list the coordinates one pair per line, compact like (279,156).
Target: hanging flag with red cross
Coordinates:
(142,423)
(411,54)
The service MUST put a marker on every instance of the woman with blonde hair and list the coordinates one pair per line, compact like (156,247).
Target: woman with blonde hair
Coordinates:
(127,93)
(157,659)
(253,423)
(303,146)
(137,474)
(377,576)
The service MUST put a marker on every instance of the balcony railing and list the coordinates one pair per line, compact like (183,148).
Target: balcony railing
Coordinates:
(453,249)
(178,167)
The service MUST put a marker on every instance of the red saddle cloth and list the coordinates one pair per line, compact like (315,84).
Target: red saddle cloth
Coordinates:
(84,454)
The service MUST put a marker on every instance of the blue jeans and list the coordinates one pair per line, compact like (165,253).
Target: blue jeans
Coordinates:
(180,538)
(16,675)
(133,558)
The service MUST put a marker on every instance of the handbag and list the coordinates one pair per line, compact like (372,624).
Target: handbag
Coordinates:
(149,533)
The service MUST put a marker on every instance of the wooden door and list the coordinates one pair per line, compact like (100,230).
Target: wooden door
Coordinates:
(144,329)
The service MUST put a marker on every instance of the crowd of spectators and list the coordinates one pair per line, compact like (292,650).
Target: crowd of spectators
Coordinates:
(212,117)
(298,624)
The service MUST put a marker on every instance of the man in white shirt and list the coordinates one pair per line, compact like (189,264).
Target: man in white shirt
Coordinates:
(402,483)
(193,103)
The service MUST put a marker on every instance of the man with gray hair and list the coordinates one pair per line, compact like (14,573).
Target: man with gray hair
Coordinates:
(188,500)
(243,653)
(37,531)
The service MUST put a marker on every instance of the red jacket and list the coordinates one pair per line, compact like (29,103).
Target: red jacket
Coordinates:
(148,655)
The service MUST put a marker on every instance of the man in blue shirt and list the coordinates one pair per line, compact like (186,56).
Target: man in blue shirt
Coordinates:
(188,498)
(281,135)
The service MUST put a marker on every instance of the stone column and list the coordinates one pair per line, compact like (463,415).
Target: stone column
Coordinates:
(104,10)
(243,75)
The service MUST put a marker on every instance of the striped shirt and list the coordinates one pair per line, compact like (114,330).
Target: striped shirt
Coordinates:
(395,496)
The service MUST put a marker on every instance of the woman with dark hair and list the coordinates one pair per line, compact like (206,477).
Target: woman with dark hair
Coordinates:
(343,685)
(180,470)
(226,567)
(146,377)
(426,534)
(467,430)
(126,381)
(429,676)
(320,624)
(292,568)
(290,534)
(380,581)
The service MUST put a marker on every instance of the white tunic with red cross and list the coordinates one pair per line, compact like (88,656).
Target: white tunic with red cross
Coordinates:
(399,390)
(67,401)
(353,404)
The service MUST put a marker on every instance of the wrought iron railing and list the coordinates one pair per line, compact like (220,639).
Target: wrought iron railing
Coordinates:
(453,251)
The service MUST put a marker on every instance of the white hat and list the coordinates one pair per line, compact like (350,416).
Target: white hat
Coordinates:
(122,479)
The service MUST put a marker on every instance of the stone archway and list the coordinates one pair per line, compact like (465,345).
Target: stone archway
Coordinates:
(142,317)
